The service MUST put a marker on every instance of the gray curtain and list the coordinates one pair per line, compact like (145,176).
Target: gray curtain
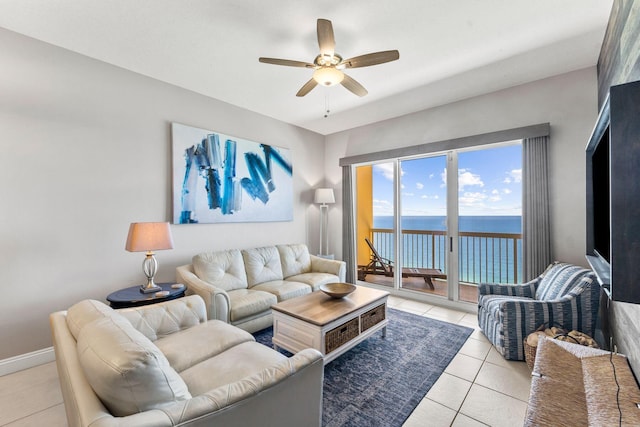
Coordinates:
(536,231)
(348,243)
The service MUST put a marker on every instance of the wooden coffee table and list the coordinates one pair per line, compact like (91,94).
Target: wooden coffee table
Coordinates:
(331,326)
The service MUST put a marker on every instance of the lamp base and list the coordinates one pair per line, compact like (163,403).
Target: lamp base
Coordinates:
(147,290)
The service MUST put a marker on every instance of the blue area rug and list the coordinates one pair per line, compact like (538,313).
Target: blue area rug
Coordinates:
(381,380)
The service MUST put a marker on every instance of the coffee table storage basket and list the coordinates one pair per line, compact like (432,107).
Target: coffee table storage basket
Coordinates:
(373,317)
(340,335)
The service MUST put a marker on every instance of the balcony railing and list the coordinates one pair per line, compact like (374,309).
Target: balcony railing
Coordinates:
(482,257)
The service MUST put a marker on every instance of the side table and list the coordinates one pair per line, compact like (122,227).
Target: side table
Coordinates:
(132,297)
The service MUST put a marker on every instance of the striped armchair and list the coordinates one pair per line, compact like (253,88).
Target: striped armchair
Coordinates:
(564,295)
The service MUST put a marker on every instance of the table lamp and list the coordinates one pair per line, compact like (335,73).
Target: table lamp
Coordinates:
(324,196)
(148,237)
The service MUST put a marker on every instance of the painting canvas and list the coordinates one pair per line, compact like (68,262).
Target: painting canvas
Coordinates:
(221,178)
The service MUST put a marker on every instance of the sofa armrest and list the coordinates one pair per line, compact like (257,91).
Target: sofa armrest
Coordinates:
(331,266)
(216,300)
(527,290)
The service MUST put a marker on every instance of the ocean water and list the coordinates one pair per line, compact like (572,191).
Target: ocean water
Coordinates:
(480,259)
(488,224)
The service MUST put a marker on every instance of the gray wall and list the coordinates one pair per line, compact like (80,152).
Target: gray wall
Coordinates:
(84,151)
(619,62)
(568,102)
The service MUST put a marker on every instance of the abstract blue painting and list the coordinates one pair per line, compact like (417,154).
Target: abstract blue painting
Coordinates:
(221,178)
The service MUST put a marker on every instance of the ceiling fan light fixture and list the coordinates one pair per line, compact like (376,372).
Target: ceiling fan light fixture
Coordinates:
(328,76)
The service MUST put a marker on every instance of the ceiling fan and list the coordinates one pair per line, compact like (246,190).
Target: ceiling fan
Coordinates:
(328,65)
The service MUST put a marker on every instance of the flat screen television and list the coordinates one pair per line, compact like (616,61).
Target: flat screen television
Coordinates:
(599,199)
(613,194)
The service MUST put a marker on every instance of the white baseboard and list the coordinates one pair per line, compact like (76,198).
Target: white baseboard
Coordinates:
(26,361)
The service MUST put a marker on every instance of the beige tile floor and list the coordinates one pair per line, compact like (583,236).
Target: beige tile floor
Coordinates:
(478,388)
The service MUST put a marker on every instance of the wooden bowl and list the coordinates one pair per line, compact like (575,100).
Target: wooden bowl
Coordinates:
(338,290)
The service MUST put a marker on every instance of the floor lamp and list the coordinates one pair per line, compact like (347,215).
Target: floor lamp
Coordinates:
(324,196)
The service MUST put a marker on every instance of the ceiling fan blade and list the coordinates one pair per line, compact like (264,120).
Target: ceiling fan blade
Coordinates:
(306,88)
(326,40)
(286,62)
(353,86)
(370,59)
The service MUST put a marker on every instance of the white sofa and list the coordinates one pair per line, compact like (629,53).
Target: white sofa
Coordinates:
(240,286)
(166,365)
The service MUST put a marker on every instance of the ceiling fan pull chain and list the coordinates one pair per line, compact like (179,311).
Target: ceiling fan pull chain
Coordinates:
(326,104)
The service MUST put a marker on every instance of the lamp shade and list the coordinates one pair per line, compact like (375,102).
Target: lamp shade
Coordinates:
(324,196)
(328,76)
(149,236)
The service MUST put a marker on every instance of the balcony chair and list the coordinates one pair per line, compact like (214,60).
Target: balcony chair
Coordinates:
(565,295)
(384,266)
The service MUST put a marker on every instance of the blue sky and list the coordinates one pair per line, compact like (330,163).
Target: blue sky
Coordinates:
(489,183)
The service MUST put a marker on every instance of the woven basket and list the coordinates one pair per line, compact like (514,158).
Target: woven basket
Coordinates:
(340,335)
(571,337)
(373,317)
(529,355)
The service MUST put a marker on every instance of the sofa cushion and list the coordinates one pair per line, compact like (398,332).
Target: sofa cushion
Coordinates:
(284,289)
(85,312)
(262,265)
(192,346)
(127,372)
(224,269)
(234,364)
(295,259)
(166,318)
(249,302)
(315,280)
(559,279)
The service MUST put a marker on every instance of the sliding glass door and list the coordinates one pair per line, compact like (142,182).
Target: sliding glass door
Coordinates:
(459,223)
(376,222)
(423,224)
(490,217)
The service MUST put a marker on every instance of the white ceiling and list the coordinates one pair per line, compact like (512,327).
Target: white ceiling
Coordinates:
(449,50)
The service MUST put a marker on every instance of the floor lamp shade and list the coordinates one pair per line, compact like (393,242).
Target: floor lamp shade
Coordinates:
(148,237)
(324,196)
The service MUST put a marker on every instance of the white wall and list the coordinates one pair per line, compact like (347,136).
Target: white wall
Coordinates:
(85,150)
(568,102)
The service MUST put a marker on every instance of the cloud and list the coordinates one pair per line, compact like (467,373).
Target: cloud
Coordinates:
(515,175)
(408,194)
(495,192)
(466,178)
(386,169)
(506,191)
(382,207)
(431,175)
(472,199)
(419,185)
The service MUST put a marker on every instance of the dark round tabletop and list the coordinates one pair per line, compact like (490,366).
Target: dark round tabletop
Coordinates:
(132,297)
